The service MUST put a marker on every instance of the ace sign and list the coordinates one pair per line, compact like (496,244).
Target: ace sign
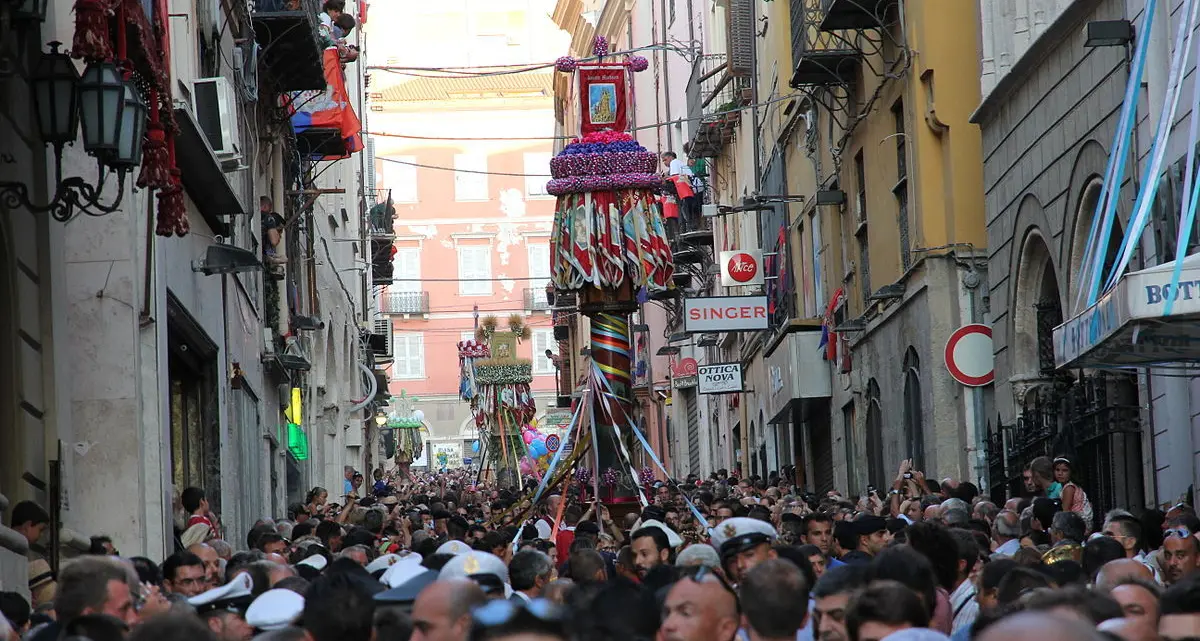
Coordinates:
(741,267)
(720,378)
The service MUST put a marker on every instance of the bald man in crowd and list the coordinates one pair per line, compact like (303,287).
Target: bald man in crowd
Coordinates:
(1039,626)
(704,610)
(442,611)
(1115,572)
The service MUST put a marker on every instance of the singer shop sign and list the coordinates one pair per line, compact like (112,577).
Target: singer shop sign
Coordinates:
(725,314)
(720,378)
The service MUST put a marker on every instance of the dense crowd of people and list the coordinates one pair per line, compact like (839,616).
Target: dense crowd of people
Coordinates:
(441,557)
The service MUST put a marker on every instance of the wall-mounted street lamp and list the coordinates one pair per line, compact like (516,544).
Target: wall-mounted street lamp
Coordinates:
(1108,33)
(114,122)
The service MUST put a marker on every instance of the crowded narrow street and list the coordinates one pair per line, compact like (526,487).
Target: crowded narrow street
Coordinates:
(599,320)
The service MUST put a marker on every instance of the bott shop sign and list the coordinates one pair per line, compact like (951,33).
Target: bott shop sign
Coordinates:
(741,267)
(725,314)
(720,378)
(684,373)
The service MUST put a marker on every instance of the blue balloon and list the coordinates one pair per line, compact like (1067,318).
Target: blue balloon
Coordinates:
(475,446)
(538,448)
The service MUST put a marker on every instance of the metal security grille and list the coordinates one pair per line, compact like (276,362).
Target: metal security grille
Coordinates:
(692,409)
(1049,315)
(1095,420)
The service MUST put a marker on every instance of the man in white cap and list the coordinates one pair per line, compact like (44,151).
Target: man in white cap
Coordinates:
(486,569)
(223,608)
(453,547)
(745,540)
(274,610)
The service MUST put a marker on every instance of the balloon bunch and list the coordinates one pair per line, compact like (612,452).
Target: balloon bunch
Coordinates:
(537,460)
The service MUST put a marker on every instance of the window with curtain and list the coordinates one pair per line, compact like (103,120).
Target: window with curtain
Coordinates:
(543,339)
(401,179)
(406,270)
(537,168)
(408,350)
(539,266)
(475,270)
(470,181)
(914,428)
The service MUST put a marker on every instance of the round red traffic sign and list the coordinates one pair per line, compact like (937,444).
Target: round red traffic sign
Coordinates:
(969,356)
(742,267)
(552,443)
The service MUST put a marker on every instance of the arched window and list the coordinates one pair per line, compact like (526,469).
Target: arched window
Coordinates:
(875,473)
(914,426)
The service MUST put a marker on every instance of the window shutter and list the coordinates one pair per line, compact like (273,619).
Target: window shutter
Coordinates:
(741,37)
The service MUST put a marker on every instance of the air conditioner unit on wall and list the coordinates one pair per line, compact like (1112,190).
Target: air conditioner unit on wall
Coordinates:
(215,104)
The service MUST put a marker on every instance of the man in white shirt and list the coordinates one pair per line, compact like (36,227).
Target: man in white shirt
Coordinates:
(681,175)
(529,571)
(1006,532)
(963,606)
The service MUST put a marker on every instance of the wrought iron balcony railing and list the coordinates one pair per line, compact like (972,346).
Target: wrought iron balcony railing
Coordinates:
(286,32)
(535,299)
(405,303)
(380,214)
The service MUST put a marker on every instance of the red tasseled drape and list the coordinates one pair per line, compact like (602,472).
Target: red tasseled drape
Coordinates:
(156,168)
(92,41)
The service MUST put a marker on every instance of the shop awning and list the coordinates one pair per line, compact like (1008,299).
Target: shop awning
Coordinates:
(1126,327)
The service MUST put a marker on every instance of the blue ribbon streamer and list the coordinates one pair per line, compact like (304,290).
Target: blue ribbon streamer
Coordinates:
(537,494)
(700,518)
(1166,120)
(1187,209)
(1114,173)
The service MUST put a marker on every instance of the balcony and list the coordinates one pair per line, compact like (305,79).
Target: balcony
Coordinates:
(855,14)
(713,97)
(382,269)
(821,57)
(404,303)
(381,215)
(535,300)
(286,31)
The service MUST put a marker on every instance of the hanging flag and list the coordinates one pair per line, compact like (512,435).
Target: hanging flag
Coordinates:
(328,109)
(604,99)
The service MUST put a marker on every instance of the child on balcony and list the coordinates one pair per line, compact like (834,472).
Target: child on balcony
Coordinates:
(331,11)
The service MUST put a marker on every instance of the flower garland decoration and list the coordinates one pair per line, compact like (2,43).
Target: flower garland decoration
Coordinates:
(583,475)
(473,349)
(566,64)
(616,182)
(600,47)
(624,162)
(487,327)
(609,478)
(516,325)
(647,476)
(506,374)
(637,64)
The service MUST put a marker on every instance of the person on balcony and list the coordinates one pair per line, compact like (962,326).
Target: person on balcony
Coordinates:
(272,230)
(680,176)
(331,11)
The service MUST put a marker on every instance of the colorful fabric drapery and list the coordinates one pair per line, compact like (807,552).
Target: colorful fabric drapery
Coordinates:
(328,109)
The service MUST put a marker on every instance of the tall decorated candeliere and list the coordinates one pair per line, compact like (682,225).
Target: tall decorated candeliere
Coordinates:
(608,243)
(496,384)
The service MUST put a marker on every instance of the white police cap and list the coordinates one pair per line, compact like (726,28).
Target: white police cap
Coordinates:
(275,609)
(742,533)
(233,596)
(453,547)
(486,569)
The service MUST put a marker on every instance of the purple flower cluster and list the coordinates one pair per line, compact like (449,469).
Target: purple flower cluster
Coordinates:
(600,46)
(610,477)
(613,182)
(628,162)
(637,64)
(601,147)
(647,476)
(583,475)
(566,64)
